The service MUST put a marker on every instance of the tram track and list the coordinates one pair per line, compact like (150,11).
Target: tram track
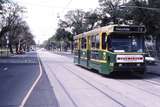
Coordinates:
(100,90)
(150,82)
(63,87)
(154,82)
(90,84)
(150,73)
(125,94)
(142,89)
(123,82)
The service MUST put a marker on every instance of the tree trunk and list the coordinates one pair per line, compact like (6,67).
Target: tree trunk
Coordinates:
(60,46)
(158,46)
(72,46)
(17,47)
(10,48)
(3,31)
(72,43)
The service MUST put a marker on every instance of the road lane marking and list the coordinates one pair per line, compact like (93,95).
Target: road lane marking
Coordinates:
(32,87)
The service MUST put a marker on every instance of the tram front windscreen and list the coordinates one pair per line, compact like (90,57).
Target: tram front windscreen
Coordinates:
(127,43)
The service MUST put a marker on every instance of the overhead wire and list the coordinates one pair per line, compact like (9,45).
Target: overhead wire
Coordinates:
(51,6)
(67,5)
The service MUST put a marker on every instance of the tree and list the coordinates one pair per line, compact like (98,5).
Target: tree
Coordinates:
(91,19)
(22,37)
(2,2)
(15,27)
(110,11)
(74,23)
(75,20)
(147,13)
(11,21)
(11,13)
(63,35)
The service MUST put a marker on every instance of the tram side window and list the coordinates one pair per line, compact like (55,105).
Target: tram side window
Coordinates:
(97,41)
(104,41)
(109,43)
(93,41)
(83,44)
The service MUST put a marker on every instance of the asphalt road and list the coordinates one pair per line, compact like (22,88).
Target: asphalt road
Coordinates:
(17,75)
(63,84)
(75,86)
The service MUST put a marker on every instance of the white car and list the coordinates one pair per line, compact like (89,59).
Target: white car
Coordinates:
(150,60)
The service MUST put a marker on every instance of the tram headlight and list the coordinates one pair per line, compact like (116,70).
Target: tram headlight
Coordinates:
(138,65)
(104,55)
(120,65)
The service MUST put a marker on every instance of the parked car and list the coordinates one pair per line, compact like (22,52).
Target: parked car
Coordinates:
(21,52)
(150,60)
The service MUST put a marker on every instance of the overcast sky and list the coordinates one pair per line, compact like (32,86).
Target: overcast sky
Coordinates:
(42,14)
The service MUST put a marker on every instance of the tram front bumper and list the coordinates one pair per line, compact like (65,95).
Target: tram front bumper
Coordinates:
(129,67)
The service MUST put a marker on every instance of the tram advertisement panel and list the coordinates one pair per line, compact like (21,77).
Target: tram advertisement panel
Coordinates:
(129,58)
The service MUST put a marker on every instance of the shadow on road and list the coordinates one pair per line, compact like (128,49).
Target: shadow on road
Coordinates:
(125,75)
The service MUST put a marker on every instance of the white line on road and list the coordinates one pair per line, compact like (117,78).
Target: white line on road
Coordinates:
(32,87)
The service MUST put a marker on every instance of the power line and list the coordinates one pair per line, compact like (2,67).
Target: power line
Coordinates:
(51,6)
(48,6)
(147,8)
(67,6)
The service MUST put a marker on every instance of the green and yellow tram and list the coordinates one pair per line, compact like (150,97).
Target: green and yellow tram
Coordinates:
(111,49)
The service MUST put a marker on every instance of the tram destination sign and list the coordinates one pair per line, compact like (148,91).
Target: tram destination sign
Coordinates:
(129,29)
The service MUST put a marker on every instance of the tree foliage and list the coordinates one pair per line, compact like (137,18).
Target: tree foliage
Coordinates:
(149,16)
(74,20)
(62,34)
(14,27)
(110,10)
(139,12)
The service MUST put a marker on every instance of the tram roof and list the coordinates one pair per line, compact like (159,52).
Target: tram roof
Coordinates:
(114,29)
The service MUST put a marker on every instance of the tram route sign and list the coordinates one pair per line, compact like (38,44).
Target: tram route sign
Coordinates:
(129,29)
